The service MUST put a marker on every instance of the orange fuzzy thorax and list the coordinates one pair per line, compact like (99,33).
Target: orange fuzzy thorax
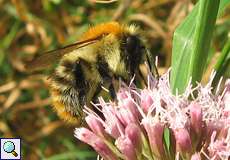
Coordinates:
(105,28)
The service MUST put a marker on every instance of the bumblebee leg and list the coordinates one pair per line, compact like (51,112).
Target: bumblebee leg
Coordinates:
(96,93)
(112,91)
(140,79)
(80,83)
(151,63)
(106,76)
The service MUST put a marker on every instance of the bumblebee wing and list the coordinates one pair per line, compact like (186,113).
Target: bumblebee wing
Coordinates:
(49,58)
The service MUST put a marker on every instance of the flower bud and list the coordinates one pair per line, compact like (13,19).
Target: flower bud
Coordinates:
(212,127)
(103,150)
(128,104)
(155,136)
(126,117)
(125,145)
(183,141)
(95,125)
(121,94)
(146,100)
(133,132)
(96,142)
(196,118)
(85,135)
(113,125)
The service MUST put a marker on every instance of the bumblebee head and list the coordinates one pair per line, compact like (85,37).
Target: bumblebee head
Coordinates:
(132,51)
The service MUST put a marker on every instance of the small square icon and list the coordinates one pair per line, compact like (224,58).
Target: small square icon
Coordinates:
(10,148)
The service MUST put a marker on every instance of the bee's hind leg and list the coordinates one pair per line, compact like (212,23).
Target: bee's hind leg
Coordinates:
(81,84)
(107,77)
(103,87)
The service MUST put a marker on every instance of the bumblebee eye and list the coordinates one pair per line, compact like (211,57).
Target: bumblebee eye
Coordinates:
(132,53)
(132,42)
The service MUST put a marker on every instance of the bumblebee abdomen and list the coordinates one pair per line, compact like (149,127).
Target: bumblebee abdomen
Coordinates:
(72,86)
(60,107)
(66,94)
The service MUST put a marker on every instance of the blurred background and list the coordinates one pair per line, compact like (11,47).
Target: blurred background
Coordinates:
(29,28)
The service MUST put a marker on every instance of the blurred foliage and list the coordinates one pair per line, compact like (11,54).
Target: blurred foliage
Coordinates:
(28,28)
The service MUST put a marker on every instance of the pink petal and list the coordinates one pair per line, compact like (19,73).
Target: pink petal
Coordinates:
(183,141)
(133,132)
(146,100)
(103,150)
(113,125)
(125,145)
(95,125)
(155,136)
(85,135)
(96,142)
(196,117)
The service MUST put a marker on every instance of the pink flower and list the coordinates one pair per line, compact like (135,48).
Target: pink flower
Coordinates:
(146,100)
(85,135)
(104,150)
(183,140)
(154,124)
(113,125)
(125,145)
(133,132)
(96,142)
(196,118)
(155,135)
(219,148)
(95,125)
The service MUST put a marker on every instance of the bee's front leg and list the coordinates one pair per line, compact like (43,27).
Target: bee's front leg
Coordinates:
(151,63)
(112,91)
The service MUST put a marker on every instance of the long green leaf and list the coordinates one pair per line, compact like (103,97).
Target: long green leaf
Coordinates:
(223,57)
(191,43)
(222,62)
(206,20)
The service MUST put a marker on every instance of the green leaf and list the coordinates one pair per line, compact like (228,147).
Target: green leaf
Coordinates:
(225,54)
(167,138)
(191,43)
(222,62)
(169,144)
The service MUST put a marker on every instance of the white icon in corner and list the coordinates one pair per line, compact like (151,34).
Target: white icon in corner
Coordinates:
(10,148)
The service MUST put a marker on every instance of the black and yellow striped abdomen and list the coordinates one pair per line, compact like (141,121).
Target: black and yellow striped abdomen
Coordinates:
(73,85)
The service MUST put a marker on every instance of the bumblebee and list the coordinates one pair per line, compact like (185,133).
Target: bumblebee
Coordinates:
(105,53)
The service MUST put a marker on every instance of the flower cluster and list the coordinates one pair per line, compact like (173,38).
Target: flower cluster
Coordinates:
(154,124)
